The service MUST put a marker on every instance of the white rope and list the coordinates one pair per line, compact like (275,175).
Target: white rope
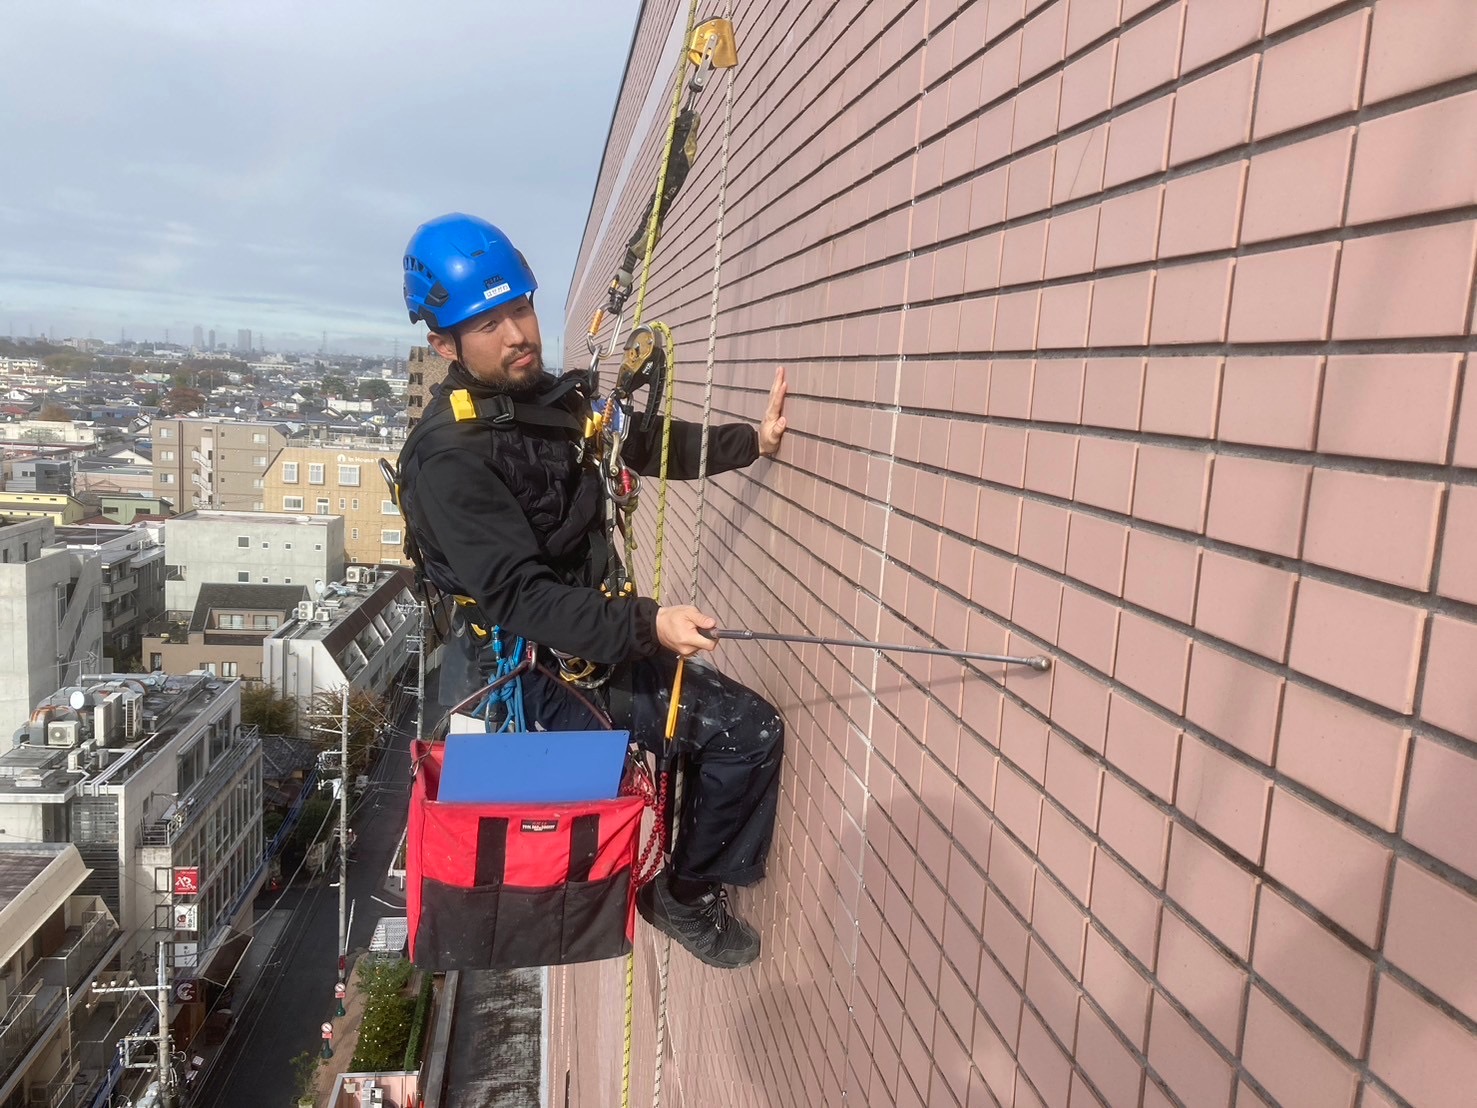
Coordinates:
(697,527)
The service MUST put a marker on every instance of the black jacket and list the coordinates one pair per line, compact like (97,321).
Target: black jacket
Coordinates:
(479,500)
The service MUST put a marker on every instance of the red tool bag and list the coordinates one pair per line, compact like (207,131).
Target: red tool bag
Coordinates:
(498,886)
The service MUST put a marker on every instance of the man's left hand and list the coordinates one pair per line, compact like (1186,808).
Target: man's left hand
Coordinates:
(773,427)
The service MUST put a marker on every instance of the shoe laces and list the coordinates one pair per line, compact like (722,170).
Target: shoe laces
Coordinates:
(715,910)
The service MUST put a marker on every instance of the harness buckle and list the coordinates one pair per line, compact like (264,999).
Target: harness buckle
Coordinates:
(500,410)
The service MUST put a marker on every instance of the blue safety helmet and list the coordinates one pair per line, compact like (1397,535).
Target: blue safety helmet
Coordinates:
(458,266)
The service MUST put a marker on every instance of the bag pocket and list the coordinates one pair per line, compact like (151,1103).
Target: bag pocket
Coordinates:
(528,927)
(595,915)
(458,927)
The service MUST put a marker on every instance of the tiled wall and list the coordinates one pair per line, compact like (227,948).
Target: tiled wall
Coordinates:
(1133,332)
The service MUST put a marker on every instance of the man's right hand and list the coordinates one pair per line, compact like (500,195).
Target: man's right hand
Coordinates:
(679,629)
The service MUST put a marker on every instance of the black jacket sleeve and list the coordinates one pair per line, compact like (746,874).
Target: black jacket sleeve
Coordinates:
(730,446)
(484,538)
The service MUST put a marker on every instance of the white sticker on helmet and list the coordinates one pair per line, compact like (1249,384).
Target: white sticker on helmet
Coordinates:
(496,290)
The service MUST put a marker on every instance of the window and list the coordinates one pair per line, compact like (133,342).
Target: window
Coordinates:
(315,473)
(341,503)
(387,508)
(390,537)
(292,503)
(166,478)
(289,472)
(287,580)
(228,669)
(164,433)
(287,546)
(258,437)
(355,535)
(266,580)
(266,546)
(322,505)
(317,546)
(210,668)
(259,460)
(243,575)
(258,483)
(355,503)
(259,506)
(348,475)
(231,622)
(166,455)
(243,540)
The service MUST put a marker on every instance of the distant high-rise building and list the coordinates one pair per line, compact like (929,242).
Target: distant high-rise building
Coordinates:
(212,339)
(427,369)
(243,340)
(199,338)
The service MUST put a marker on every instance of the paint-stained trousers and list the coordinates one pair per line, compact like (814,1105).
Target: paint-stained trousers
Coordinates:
(732,740)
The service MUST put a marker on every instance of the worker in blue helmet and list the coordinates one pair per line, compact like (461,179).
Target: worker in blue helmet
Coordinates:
(506,514)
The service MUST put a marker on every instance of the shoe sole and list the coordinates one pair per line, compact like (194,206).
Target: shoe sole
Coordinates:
(672,933)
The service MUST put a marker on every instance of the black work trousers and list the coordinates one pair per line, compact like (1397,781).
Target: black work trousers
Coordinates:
(732,740)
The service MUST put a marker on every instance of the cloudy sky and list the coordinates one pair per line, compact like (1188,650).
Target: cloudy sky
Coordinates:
(261,163)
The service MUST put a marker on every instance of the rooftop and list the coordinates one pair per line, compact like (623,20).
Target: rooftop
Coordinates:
(22,863)
(219,515)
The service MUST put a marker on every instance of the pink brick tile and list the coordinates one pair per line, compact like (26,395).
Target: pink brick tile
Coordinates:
(1079,706)
(1105,471)
(1186,1062)
(977,324)
(1373,1098)
(1080,161)
(1364,644)
(1429,935)
(1211,889)
(1282,14)
(1202,212)
(1037,603)
(1458,577)
(1017,806)
(1010,388)
(1136,828)
(1030,183)
(1051,462)
(1298,189)
(1005,455)
(1192,302)
(1205,981)
(1081,1096)
(1258,504)
(1057,395)
(1129,230)
(1112,397)
(1422,1053)
(1043,40)
(986,203)
(1224,796)
(1153,660)
(1394,406)
(1016,315)
(1311,77)
(1324,977)
(1142,746)
(1214,113)
(1053,993)
(1181,396)
(1284,296)
(1348,755)
(1383,528)
(1089,629)
(1073,779)
(1138,142)
(1088,21)
(1024,253)
(1149,55)
(1245,603)
(1036,111)
(1215,28)
(1066,852)
(1104,1058)
(1087,86)
(1441,136)
(1407,283)
(982,263)
(1270,401)
(1440,817)
(1125,908)
(1170,487)
(1072,243)
(1417,45)
(1290,1063)
(1327,862)
(1120,310)
(1013,874)
(1096,549)
(1161,574)
(1118,986)
(1065,314)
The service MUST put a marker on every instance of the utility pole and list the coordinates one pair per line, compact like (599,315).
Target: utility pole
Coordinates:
(168,1091)
(343,839)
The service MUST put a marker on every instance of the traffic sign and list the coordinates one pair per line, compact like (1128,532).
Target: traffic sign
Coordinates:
(327,1030)
(340,991)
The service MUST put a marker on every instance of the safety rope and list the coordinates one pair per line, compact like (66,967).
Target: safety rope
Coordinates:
(651,231)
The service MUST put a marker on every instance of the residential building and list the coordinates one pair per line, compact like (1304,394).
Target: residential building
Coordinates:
(213,463)
(335,480)
(54,940)
(224,634)
(38,473)
(146,775)
(264,548)
(51,609)
(112,476)
(131,561)
(73,432)
(427,369)
(124,508)
(358,633)
(58,507)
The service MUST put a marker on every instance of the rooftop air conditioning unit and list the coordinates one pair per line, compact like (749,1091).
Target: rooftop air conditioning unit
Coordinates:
(354,575)
(63,732)
(133,716)
(305,610)
(322,614)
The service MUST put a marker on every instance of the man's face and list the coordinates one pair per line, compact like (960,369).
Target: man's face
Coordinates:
(500,347)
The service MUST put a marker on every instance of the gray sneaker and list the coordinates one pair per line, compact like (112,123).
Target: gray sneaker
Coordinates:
(707,929)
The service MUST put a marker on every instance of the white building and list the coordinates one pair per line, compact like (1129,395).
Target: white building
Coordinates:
(131,562)
(76,432)
(358,634)
(52,615)
(262,548)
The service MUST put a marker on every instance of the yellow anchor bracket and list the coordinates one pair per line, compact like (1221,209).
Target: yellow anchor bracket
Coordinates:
(716,35)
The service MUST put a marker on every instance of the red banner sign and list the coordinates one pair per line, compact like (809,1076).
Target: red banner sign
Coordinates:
(186,880)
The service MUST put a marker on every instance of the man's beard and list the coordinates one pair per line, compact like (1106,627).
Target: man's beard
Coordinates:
(524,380)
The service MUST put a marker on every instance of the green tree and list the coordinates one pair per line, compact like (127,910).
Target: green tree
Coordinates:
(367,719)
(335,386)
(375,388)
(53,412)
(181,400)
(263,707)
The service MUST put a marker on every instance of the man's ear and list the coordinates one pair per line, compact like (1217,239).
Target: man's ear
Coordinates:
(443,344)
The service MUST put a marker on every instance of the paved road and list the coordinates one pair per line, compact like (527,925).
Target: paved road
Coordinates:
(280,1017)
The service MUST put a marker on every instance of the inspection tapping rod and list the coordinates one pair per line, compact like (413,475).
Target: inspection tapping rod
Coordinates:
(1038,662)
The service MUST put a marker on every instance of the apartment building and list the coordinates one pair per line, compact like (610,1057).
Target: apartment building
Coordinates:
(427,369)
(213,463)
(264,548)
(224,634)
(131,567)
(51,609)
(335,480)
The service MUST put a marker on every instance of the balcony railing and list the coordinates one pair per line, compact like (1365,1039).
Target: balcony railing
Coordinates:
(182,813)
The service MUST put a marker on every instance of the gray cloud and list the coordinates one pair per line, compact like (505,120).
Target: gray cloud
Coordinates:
(262,164)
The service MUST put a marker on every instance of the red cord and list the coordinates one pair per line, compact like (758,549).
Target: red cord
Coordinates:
(639,783)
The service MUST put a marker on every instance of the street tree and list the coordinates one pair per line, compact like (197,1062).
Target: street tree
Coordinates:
(264,707)
(375,388)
